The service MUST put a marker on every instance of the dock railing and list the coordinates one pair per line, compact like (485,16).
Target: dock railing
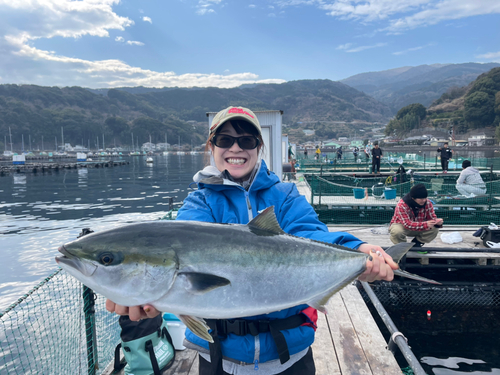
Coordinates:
(397,338)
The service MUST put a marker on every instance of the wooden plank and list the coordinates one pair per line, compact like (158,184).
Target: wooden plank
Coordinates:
(350,354)
(184,363)
(325,358)
(380,360)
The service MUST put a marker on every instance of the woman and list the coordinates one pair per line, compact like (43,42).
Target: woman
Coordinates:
(233,189)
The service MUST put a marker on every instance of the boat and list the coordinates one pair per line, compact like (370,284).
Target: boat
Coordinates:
(149,160)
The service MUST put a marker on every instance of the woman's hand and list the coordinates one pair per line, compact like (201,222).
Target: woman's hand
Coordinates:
(380,267)
(135,313)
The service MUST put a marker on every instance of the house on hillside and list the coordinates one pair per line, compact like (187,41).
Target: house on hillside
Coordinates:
(481,140)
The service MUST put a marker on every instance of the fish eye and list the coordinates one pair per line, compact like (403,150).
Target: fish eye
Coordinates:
(106,259)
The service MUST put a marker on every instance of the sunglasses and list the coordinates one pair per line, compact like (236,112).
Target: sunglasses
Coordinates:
(246,142)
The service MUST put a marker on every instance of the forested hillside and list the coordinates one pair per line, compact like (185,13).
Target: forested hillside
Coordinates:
(471,107)
(84,115)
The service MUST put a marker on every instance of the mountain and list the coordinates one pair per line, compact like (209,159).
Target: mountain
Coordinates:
(420,84)
(467,108)
(86,115)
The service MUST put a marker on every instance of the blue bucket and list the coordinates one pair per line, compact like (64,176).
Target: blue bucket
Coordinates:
(390,193)
(359,193)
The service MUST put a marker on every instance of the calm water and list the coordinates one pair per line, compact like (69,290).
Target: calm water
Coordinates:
(40,212)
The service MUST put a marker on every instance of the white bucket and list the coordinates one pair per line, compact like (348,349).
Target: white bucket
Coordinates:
(177,330)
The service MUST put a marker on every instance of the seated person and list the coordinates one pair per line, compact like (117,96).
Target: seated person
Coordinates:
(470,182)
(414,217)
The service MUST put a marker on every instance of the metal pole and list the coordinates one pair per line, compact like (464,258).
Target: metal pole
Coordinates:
(89,311)
(396,336)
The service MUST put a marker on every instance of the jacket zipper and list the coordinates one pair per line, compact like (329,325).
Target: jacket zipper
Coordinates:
(249,206)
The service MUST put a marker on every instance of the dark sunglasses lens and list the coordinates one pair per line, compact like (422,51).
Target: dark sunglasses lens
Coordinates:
(248,143)
(223,141)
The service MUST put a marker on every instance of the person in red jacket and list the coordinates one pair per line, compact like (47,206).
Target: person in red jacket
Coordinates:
(414,217)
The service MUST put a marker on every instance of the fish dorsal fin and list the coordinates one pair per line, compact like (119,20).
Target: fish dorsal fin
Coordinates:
(266,223)
(398,251)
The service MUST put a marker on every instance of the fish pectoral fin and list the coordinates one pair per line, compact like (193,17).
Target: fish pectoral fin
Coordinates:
(414,277)
(200,283)
(198,326)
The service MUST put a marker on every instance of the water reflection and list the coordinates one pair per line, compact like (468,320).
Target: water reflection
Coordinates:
(40,212)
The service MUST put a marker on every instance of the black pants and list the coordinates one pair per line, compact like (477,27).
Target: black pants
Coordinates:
(376,165)
(444,164)
(305,366)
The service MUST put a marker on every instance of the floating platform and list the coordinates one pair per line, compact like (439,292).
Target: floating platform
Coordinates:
(51,167)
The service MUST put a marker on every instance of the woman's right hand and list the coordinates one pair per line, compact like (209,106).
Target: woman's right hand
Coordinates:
(135,313)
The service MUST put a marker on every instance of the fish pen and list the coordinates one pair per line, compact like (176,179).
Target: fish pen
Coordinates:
(58,327)
(389,163)
(344,199)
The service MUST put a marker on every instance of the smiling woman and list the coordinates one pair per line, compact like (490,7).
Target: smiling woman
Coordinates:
(235,188)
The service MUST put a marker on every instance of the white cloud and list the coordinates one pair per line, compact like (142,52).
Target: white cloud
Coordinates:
(490,56)
(204,6)
(401,14)
(444,11)
(344,46)
(252,6)
(147,19)
(134,43)
(363,48)
(412,49)
(22,62)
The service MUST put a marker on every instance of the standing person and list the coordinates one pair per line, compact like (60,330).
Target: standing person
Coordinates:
(355,151)
(339,153)
(446,154)
(318,153)
(376,156)
(367,151)
(305,152)
(470,183)
(234,189)
(414,216)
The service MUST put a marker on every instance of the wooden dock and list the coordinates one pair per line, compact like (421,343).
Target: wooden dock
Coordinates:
(348,342)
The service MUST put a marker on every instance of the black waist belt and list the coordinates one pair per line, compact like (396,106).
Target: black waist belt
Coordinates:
(242,327)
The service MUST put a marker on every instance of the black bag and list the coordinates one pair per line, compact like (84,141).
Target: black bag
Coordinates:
(492,235)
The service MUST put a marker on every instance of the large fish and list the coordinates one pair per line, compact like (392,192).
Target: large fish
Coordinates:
(216,271)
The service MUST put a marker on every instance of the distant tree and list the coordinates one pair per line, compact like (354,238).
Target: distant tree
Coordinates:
(479,109)
(497,108)
(415,110)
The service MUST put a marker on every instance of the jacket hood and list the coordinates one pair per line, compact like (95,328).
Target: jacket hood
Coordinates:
(211,177)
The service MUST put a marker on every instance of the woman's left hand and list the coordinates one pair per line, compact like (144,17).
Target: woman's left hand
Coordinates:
(380,267)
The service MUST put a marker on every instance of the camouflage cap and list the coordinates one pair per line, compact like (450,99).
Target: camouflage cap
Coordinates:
(235,113)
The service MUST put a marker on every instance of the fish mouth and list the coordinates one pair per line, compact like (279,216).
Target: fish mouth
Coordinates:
(69,261)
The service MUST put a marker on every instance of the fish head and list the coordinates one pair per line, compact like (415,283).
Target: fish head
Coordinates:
(120,265)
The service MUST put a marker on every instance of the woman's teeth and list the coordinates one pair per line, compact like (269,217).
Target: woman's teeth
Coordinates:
(236,161)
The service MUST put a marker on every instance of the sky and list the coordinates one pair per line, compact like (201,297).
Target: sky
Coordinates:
(227,43)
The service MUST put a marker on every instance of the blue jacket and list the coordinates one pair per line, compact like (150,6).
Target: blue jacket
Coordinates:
(219,200)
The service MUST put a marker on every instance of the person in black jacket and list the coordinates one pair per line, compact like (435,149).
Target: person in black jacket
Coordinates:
(376,156)
(446,154)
